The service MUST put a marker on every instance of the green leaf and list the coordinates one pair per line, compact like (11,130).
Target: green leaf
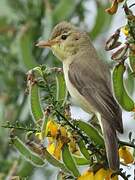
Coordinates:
(25,41)
(61,90)
(80,160)
(25,168)
(91,132)
(69,161)
(100,23)
(47,21)
(35,105)
(119,89)
(83,149)
(27,153)
(4,22)
(63,10)
(54,161)
(17,6)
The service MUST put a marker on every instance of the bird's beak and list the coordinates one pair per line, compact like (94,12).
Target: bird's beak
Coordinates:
(48,43)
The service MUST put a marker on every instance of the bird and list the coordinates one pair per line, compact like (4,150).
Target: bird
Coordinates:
(88,80)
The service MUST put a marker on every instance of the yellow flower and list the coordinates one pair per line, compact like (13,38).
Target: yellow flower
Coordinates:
(58,135)
(54,148)
(58,147)
(125,154)
(125,30)
(52,128)
(100,174)
(88,175)
(103,174)
(51,148)
(63,131)
(50,140)
(73,146)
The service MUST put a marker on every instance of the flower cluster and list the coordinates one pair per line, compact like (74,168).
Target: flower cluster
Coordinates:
(57,136)
(107,174)
(101,174)
(126,155)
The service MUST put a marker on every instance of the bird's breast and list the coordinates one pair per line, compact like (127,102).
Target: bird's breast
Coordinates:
(77,97)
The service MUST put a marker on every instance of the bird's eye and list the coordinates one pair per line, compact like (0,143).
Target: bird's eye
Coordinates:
(64,36)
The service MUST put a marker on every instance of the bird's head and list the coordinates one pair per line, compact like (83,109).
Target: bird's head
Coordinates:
(66,40)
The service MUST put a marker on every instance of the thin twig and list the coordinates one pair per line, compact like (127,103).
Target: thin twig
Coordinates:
(127,144)
(123,175)
(132,5)
(81,135)
(20,128)
(120,173)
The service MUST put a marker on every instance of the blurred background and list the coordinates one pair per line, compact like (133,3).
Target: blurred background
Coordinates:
(22,24)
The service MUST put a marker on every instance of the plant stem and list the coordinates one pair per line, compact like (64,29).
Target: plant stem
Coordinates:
(127,144)
(49,90)
(20,128)
(123,176)
(81,135)
(132,5)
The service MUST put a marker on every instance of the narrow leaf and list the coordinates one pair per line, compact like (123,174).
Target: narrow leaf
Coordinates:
(54,161)
(47,21)
(26,49)
(25,168)
(81,161)
(91,132)
(83,149)
(100,23)
(69,161)
(63,10)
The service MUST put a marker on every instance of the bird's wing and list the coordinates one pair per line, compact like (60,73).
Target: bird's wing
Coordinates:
(92,82)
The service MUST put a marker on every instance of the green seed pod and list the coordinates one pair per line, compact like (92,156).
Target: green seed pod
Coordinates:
(69,161)
(35,105)
(132,60)
(61,90)
(54,161)
(119,89)
(120,53)
(113,41)
(27,153)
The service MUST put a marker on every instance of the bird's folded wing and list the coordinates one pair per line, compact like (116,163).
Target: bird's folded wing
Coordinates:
(92,82)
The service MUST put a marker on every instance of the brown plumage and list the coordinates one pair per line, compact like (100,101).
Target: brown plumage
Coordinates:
(88,81)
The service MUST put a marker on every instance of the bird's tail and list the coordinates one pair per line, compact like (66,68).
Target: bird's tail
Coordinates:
(111,144)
